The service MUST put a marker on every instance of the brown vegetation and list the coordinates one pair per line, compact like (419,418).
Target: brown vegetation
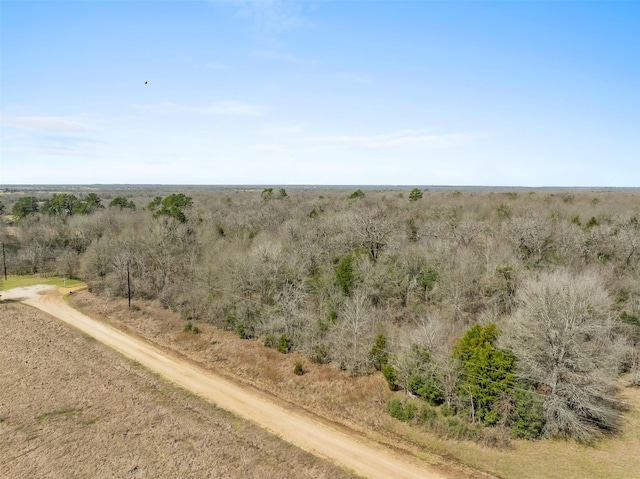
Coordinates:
(70,407)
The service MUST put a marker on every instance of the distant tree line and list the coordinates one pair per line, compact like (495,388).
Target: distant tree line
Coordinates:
(65,204)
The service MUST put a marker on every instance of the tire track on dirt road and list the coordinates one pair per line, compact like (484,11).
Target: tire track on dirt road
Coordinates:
(297,427)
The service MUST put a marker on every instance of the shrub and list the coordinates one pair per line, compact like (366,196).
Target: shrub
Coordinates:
(320,354)
(630,318)
(497,437)
(243,331)
(267,194)
(356,194)
(427,414)
(412,230)
(454,428)
(379,355)
(284,344)
(427,278)
(504,212)
(229,321)
(400,410)
(415,195)
(298,369)
(391,376)
(245,323)
(528,419)
(190,327)
(345,274)
(395,408)
(591,223)
(447,410)
(425,386)
(270,341)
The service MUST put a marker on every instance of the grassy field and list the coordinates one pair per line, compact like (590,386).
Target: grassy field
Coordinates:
(14,281)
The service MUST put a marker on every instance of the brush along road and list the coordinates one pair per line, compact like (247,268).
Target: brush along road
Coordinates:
(294,425)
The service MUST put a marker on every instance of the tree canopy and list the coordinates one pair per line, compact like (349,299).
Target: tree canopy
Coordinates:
(487,371)
(25,206)
(121,202)
(562,336)
(172,206)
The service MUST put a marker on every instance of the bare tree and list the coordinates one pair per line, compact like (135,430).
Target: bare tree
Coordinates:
(530,234)
(373,231)
(431,331)
(290,299)
(68,263)
(562,338)
(357,317)
(629,240)
(460,228)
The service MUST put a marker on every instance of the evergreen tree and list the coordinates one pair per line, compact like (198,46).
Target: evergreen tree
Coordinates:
(486,371)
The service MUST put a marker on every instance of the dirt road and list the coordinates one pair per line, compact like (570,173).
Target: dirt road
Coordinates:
(295,426)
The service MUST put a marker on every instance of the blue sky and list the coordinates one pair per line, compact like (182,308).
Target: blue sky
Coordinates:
(504,93)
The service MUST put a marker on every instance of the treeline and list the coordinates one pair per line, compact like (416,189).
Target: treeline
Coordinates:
(516,311)
(64,204)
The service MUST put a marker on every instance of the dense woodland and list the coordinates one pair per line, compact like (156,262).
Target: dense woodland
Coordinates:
(510,309)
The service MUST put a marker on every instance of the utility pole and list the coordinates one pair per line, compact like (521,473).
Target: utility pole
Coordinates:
(4,262)
(128,285)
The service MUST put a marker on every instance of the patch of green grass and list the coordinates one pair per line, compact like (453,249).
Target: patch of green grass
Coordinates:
(89,422)
(59,414)
(14,281)
(135,364)
(67,413)
(89,339)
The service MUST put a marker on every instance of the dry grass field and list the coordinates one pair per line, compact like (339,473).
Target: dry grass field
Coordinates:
(72,408)
(360,402)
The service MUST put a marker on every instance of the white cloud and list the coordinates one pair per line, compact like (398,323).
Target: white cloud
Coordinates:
(399,139)
(271,148)
(54,146)
(350,77)
(274,128)
(218,108)
(231,108)
(283,57)
(44,123)
(272,16)
(42,136)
